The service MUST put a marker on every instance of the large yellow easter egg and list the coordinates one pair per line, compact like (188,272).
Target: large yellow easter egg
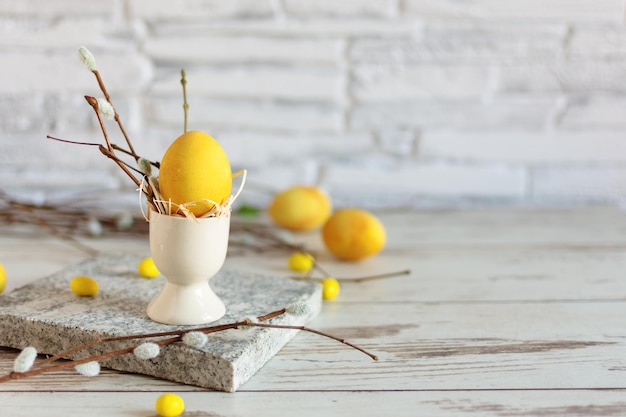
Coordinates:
(353,234)
(300,208)
(195,171)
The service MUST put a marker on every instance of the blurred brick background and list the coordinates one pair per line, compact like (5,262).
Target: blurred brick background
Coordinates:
(418,103)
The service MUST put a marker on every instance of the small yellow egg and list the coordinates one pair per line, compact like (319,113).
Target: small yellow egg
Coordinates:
(169,405)
(147,268)
(84,286)
(3,278)
(330,288)
(301,261)
(300,208)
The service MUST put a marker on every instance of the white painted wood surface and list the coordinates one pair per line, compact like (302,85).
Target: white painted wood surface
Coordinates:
(505,313)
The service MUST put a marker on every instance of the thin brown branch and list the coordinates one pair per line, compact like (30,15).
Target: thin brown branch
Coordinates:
(377,276)
(94,104)
(183,82)
(108,153)
(111,155)
(155,164)
(71,351)
(40,221)
(121,164)
(72,141)
(117,116)
(271,315)
(317,332)
(358,279)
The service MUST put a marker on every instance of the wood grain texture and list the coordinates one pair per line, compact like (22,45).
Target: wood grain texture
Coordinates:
(492,403)
(505,313)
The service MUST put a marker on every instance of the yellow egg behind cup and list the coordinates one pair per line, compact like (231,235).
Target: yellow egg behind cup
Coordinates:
(300,208)
(195,172)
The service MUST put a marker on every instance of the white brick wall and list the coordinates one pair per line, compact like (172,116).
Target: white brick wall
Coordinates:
(383,102)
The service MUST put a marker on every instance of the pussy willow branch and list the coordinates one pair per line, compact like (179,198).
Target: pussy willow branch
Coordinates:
(272,238)
(359,279)
(170,337)
(117,116)
(66,218)
(308,329)
(40,221)
(109,152)
(94,105)
(207,330)
(183,82)
(155,164)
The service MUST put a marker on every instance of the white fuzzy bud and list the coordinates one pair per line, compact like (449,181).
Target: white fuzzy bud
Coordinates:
(25,360)
(195,339)
(87,58)
(94,227)
(299,309)
(144,166)
(124,221)
(147,351)
(88,369)
(105,108)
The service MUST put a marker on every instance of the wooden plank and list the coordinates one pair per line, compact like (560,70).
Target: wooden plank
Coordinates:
(434,347)
(497,227)
(457,346)
(474,274)
(506,312)
(28,256)
(540,254)
(491,403)
(443,274)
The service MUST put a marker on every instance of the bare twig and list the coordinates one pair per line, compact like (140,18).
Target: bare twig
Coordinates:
(117,116)
(360,279)
(183,82)
(94,104)
(317,332)
(41,221)
(73,141)
(155,164)
(111,153)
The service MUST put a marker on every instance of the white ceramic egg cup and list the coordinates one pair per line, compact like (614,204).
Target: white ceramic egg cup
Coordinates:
(188,252)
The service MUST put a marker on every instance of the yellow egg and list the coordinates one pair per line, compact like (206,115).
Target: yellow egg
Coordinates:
(169,405)
(3,278)
(84,286)
(194,169)
(300,208)
(353,234)
(147,268)
(330,288)
(301,261)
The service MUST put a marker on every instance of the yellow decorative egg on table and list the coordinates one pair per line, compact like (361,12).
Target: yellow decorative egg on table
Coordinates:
(300,208)
(353,234)
(3,279)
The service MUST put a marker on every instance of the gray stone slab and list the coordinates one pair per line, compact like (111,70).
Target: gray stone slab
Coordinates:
(46,314)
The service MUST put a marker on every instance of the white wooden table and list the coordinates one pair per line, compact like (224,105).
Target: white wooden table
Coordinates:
(505,313)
